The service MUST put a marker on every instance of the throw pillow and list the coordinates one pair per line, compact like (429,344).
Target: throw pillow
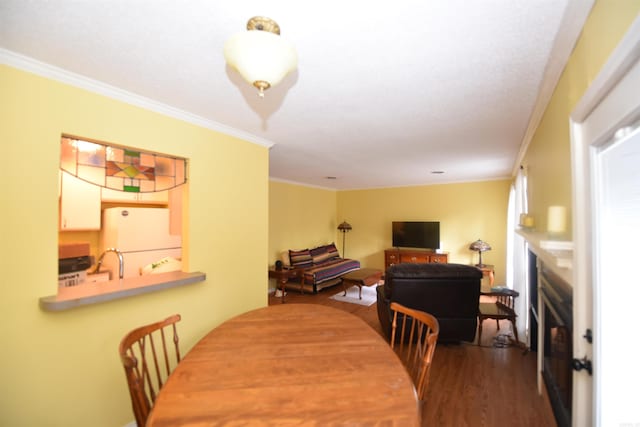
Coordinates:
(332,251)
(320,254)
(301,258)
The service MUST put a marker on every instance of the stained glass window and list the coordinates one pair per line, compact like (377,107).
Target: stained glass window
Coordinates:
(119,168)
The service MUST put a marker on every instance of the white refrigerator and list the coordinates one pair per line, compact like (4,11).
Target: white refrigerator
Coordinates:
(142,236)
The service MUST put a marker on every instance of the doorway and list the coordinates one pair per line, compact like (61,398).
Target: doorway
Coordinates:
(606,155)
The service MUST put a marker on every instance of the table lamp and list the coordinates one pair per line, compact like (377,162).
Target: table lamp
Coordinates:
(480,247)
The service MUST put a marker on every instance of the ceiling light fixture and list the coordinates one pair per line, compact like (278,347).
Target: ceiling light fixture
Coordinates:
(260,55)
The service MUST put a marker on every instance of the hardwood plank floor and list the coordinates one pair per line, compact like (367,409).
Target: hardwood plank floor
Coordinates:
(471,385)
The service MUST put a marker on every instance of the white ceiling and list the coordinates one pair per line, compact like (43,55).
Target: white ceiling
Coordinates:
(385,93)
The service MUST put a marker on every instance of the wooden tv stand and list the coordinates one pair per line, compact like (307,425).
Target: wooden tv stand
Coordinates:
(415,256)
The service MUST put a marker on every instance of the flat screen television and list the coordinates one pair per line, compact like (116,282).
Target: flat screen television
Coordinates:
(416,234)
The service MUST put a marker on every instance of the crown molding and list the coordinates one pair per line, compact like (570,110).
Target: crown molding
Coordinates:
(301,184)
(463,181)
(43,69)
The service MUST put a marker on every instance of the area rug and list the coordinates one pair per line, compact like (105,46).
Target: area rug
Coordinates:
(368,295)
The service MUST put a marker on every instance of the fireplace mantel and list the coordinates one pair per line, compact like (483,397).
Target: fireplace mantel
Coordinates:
(557,255)
(550,279)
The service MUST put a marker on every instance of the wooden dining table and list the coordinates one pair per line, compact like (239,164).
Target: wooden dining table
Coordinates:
(289,365)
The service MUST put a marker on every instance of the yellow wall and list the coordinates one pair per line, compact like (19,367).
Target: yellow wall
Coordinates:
(299,217)
(62,369)
(548,157)
(466,211)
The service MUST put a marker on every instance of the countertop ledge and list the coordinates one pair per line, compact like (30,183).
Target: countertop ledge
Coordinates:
(95,293)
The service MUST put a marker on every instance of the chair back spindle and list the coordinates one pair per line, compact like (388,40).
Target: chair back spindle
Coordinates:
(148,358)
(414,335)
(506,300)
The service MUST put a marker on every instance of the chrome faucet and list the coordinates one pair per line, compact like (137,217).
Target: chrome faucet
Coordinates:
(120,261)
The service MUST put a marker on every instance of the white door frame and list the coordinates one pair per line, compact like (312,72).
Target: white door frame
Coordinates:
(611,102)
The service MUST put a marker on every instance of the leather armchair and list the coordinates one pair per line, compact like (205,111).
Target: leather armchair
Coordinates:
(451,292)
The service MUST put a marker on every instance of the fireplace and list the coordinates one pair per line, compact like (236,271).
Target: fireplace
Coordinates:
(556,313)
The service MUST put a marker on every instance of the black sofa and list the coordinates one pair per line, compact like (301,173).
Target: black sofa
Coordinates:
(451,292)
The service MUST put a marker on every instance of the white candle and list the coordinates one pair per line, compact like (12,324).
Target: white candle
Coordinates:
(557,219)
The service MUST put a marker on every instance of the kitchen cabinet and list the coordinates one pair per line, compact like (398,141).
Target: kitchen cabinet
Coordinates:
(159,197)
(79,204)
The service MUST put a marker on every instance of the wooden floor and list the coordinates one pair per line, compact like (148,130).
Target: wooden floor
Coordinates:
(470,385)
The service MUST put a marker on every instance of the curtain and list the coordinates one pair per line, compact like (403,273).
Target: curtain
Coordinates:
(517,253)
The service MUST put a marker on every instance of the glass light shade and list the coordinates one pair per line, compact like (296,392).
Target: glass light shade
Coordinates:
(480,246)
(260,56)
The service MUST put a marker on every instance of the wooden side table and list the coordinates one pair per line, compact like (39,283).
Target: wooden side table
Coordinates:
(487,270)
(282,276)
(502,308)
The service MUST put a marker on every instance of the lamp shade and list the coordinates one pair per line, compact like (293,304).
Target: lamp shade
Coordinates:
(260,55)
(480,246)
(345,226)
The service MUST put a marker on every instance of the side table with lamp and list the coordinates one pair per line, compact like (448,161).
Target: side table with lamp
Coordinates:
(282,276)
(487,269)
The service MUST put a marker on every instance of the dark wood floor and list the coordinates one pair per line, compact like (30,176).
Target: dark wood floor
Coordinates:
(470,385)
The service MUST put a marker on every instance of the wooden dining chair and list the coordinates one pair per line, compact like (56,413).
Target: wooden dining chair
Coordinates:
(414,335)
(149,358)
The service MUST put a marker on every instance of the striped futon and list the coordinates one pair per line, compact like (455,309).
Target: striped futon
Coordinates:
(329,270)
(321,266)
